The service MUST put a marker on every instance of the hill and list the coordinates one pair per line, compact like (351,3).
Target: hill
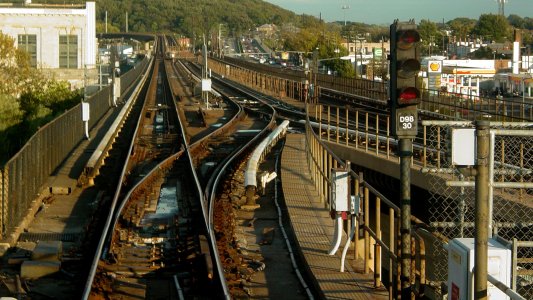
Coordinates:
(184,16)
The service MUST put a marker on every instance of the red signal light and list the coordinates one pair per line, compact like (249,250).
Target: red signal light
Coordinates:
(407,38)
(409,96)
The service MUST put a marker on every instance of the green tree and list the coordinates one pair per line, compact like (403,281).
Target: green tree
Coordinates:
(495,26)
(516,21)
(14,67)
(27,98)
(528,23)
(330,54)
(429,35)
(462,27)
(482,53)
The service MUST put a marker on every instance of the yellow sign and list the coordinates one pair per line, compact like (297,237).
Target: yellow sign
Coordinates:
(434,66)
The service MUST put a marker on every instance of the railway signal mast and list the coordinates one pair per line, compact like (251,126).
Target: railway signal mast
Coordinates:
(404,98)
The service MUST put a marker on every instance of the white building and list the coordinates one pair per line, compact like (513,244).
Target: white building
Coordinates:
(58,38)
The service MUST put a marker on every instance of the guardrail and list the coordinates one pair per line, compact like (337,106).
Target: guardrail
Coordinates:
(25,174)
(250,175)
(369,132)
(522,270)
(100,153)
(321,161)
(454,105)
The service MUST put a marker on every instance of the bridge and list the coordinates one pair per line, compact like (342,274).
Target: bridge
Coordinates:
(61,186)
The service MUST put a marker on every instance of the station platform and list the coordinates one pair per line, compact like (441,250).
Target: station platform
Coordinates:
(313,228)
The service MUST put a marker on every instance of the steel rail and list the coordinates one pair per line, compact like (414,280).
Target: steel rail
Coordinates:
(102,241)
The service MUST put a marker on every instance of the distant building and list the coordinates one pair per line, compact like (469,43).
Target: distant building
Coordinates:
(459,50)
(365,48)
(184,43)
(267,30)
(59,38)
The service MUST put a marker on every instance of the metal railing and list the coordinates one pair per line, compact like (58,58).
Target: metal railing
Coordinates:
(24,175)
(454,105)
(522,270)
(379,240)
(369,132)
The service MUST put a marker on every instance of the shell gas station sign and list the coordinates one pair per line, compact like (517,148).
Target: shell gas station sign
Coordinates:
(435,66)
(434,73)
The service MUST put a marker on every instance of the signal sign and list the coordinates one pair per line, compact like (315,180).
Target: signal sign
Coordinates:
(407,122)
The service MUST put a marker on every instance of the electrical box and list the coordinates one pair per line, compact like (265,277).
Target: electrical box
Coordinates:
(463,146)
(206,85)
(461,269)
(340,190)
(85,111)
(116,88)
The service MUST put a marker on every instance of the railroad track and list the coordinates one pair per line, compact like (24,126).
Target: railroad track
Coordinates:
(160,242)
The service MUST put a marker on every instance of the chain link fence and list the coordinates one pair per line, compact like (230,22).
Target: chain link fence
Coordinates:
(452,208)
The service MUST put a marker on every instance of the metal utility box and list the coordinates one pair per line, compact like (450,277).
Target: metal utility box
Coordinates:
(206,85)
(85,111)
(461,269)
(340,190)
(463,146)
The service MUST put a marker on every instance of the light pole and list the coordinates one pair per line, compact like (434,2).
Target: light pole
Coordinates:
(344,8)
(361,40)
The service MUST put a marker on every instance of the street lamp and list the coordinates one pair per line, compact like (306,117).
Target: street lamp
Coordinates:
(344,8)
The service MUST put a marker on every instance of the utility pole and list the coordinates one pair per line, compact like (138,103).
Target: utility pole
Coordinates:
(482,210)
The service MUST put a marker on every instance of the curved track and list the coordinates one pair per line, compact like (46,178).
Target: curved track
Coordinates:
(160,241)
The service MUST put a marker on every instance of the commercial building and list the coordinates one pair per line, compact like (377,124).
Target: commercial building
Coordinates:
(60,39)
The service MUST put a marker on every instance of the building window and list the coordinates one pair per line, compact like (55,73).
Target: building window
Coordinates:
(28,43)
(68,51)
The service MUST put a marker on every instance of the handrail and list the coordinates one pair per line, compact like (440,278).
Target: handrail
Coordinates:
(320,174)
(504,288)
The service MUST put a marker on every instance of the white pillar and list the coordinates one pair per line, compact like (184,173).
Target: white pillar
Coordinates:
(516,54)
(90,31)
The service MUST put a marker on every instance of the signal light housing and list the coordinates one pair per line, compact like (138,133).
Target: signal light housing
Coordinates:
(403,85)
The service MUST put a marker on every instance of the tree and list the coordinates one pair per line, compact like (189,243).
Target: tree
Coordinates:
(27,98)
(516,21)
(495,26)
(483,53)
(14,67)
(429,35)
(331,54)
(462,27)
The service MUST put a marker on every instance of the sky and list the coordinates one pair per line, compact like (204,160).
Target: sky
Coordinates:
(386,11)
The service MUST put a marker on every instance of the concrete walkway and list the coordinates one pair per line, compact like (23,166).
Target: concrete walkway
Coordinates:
(313,228)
